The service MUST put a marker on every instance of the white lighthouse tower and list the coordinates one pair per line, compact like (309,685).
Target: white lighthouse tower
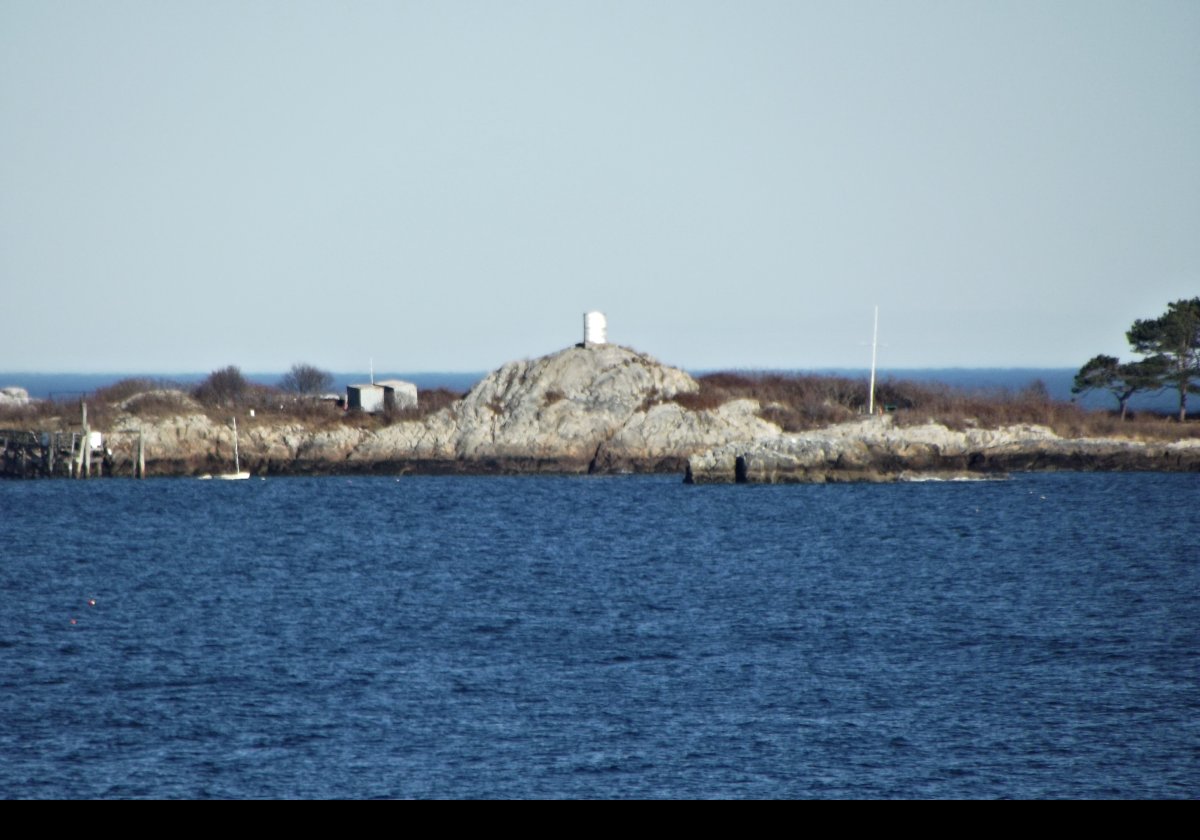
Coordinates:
(595,328)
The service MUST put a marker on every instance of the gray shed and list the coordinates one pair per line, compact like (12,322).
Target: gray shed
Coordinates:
(366,397)
(398,394)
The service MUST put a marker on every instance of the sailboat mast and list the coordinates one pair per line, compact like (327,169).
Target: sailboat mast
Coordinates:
(237,465)
(874,347)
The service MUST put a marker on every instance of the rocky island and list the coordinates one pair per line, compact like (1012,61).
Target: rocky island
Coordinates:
(600,408)
(587,408)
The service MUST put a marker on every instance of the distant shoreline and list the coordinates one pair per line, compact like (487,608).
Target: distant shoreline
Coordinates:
(601,408)
(1058,381)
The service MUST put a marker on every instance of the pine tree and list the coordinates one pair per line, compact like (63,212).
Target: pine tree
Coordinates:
(1174,340)
(1121,380)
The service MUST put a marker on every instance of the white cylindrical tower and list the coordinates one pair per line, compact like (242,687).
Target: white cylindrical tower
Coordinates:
(595,328)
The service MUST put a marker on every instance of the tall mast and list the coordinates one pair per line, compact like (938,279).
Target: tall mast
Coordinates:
(237,464)
(874,347)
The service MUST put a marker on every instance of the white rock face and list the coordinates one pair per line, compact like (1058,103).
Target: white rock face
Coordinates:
(398,394)
(562,406)
(14,396)
(669,431)
(160,396)
(432,439)
(591,407)
(874,450)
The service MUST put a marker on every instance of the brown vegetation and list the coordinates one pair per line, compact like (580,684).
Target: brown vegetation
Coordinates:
(125,388)
(802,402)
(428,402)
(34,414)
(155,399)
(224,387)
(306,380)
(794,402)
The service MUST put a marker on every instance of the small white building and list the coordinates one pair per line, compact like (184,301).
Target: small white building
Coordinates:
(366,397)
(373,397)
(595,328)
(398,394)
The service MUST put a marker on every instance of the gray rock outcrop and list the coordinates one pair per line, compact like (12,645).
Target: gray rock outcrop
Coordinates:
(562,406)
(874,450)
(13,396)
(586,408)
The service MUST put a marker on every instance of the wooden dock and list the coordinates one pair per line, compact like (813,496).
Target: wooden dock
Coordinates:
(78,453)
(28,454)
(32,454)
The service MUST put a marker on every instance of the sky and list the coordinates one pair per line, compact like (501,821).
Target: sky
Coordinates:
(450,185)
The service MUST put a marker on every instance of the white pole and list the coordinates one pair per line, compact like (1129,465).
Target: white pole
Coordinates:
(237,464)
(874,346)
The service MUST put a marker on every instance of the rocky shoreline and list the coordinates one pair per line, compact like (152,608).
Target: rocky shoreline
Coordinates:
(608,409)
(874,450)
(590,408)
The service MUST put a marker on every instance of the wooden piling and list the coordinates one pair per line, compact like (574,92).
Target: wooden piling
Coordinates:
(85,450)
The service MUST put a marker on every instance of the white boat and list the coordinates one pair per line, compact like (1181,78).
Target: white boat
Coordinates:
(238,473)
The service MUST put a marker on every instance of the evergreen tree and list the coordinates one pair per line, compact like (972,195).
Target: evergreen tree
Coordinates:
(1121,380)
(1173,339)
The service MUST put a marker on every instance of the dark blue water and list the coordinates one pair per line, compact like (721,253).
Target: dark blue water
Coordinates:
(600,637)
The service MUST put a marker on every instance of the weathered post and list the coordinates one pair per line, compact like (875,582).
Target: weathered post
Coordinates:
(85,445)
(141,455)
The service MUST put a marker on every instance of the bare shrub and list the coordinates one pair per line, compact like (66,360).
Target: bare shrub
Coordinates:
(306,379)
(224,387)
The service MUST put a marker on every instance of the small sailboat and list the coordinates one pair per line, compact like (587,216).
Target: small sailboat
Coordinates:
(238,473)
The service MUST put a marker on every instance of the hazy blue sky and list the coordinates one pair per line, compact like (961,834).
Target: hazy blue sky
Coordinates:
(450,185)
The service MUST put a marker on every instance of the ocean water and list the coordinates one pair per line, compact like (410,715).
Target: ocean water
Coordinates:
(600,637)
